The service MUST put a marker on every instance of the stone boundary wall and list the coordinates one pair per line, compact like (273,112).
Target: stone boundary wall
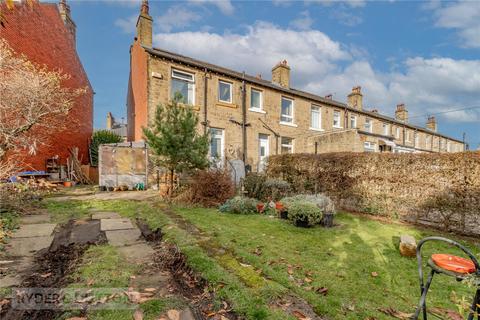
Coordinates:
(440,190)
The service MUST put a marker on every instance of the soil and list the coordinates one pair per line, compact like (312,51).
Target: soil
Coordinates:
(53,265)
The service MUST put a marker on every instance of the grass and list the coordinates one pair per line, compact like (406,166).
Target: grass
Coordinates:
(247,259)
(341,259)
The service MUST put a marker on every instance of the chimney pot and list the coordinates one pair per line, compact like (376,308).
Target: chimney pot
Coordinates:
(432,123)
(329,96)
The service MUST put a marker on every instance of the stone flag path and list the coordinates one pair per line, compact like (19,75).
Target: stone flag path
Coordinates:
(35,233)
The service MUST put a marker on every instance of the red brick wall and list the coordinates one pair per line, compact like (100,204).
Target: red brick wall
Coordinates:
(137,93)
(39,33)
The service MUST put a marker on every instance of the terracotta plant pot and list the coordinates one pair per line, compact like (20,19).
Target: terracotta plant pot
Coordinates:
(67,184)
(260,207)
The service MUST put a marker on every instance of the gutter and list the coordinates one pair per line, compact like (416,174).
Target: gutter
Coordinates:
(244,120)
(205,112)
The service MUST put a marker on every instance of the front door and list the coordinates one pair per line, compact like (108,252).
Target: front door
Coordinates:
(263,151)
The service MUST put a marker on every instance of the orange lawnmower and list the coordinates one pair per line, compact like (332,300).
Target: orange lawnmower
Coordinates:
(450,265)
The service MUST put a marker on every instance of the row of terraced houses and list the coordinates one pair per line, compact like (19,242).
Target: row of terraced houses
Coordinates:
(250,118)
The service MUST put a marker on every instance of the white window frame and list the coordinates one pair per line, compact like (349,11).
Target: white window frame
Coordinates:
(231,91)
(339,120)
(386,129)
(286,145)
(427,142)
(291,117)
(222,148)
(319,111)
(449,146)
(255,109)
(370,146)
(353,121)
(370,125)
(397,132)
(416,139)
(189,77)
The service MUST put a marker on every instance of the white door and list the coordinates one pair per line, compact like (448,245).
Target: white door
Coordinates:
(263,151)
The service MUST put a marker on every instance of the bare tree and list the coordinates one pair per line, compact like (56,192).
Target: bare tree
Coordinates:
(33,103)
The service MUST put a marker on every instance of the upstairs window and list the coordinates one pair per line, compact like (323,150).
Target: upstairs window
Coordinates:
(287,145)
(416,139)
(224,91)
(428,142)
(397,133)
(407,135)
(368,125)
(315,117)
(336,119)
(353,122)
(256,101)
(386,129)
(183,84)
(287,110)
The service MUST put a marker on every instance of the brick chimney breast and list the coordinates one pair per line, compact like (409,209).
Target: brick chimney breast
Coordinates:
(355,98)
(432,123)
(281,74)
(401,113)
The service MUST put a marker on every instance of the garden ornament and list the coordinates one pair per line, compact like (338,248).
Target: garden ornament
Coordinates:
(450,265)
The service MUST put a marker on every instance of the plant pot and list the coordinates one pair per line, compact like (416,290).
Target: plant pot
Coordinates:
(67,184)
(102,188)
(279,206)
(260,207)
(110,188)
(327,220)
(301,223)
(283,214)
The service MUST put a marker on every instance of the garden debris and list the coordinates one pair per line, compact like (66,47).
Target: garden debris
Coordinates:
(138,315)
(74,168)
(322,290)
(297,314)
(395,313)
(450,314)
(374,274)
(408,246)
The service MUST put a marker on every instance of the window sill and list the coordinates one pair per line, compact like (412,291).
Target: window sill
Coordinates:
(257,110)
(288,124)
(316,129)
(336,127)
(226,104)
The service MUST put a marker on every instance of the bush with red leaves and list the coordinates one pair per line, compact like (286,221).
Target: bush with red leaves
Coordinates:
(210,188)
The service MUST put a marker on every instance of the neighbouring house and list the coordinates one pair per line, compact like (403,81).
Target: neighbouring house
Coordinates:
(250,118)
(45,34)
(114,126)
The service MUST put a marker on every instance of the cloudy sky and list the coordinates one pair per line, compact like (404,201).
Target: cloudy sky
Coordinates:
(423,54)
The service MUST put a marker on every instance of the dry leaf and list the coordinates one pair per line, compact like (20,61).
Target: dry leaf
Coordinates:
(46,275)
(374,274)
(290,270)
(138,315)
(395,313)
(77,318)
(150,289)
(307,280)
(322,290)
(86,299)
(173,314)
(300,316)
(451,315)
(245,265)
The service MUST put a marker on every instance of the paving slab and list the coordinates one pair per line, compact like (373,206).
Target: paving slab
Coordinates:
(35,219)
(10,281)
(26,247)
(34,230)
(97,215)
(119,238)
(115,224)
(137,253)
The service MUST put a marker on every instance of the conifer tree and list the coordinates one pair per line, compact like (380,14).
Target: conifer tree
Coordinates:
(175,141)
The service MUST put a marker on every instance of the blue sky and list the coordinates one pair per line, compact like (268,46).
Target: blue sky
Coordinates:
(423,54)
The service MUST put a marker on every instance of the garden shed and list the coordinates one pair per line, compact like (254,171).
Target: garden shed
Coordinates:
(123,164)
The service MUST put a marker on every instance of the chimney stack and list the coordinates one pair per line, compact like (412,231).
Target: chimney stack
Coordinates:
(432,123)
(144,25)
(401,113)
(281,74)
(64,10)
(329,96)
(110,121)
(355,98)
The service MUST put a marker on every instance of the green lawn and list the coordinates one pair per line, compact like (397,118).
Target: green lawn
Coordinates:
(254,260)
(341,259)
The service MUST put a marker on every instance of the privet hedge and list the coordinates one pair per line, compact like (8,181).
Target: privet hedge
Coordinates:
(441,190)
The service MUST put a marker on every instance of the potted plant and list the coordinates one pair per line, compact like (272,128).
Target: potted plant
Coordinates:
(304,214)
(260,207)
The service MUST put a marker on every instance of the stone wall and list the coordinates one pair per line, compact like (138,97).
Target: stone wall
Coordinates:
(441,190)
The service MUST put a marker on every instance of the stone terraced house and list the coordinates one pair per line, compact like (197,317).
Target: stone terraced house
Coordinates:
(250,118)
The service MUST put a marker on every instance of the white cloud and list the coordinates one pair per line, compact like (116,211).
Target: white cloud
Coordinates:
(321,65)
(346,18)
(127,24)
(176,17)
(303,22)
(225,6)
(463,16)
(350,3)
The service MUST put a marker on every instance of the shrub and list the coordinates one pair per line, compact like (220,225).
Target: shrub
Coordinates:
(240,205)
(101,137)
(210,188)
(259,187)
(304,213)
(254,185)
(324,203)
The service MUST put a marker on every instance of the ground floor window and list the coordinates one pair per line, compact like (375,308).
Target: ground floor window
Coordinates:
(217,145)
(287,145)
(370,146)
